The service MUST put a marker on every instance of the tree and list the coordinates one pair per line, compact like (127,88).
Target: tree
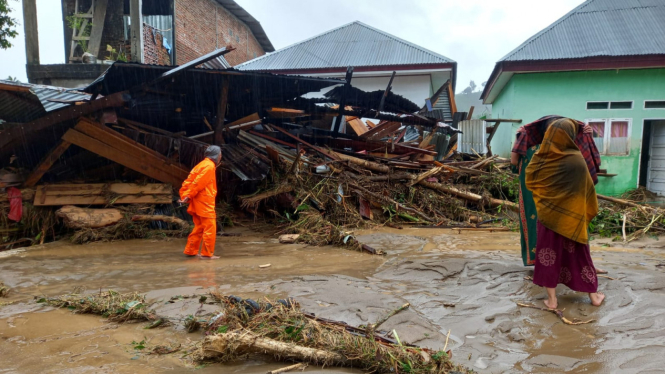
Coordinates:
(7,25)
(471,88)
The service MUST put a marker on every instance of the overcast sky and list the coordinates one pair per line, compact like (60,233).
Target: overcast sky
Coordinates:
(475,33)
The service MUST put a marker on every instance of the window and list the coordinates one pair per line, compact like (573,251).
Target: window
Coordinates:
(654,104)
(611,136)
(595,105)
(621,105)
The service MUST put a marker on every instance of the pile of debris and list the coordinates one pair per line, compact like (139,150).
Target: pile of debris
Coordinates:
(316,157)
(274,328)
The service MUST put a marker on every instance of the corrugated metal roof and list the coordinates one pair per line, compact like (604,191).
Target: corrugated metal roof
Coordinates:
(353,44)
(218,63)
(24,102)
(599,28)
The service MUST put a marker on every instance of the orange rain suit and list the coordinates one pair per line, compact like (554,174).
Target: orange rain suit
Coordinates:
(201,188)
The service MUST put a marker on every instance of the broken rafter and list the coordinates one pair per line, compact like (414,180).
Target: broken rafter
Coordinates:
(13,134)
(46,163)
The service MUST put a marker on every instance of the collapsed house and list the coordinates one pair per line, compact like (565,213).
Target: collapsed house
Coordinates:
(114,154)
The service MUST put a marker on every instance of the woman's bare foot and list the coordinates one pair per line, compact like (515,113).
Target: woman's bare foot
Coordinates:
(597,298)
(551,301)
(600,271)
(210,257)
(551,304)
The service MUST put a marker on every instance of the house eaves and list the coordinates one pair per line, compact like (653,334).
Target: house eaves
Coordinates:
(251,22)
(598,34)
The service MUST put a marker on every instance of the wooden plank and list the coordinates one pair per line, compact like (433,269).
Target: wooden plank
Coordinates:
(381,130)
(99,194)
(30,32)
(249,118)
(15,133)
(127,145)
(59,200)
(370,124)
(147,168)
(221,111)
(98,16)
(12,88)
(46,163)
(356,125)
(116,188)
(451,99)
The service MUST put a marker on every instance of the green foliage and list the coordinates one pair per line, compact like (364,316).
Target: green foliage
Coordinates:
(139,345)
(76,23)
(503,185)
(607,223)
(222,329)
(7,25)
(115,55)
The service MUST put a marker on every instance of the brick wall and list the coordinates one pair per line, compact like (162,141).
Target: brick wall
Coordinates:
(153,48)
(204,25)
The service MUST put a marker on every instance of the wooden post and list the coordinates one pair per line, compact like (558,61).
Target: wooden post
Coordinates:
(136,19)
(31,32)
(342,102)
(46,163)
(98,16)
(221,111)
(385,93)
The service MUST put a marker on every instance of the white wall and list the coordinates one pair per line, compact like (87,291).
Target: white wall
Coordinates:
(416,88)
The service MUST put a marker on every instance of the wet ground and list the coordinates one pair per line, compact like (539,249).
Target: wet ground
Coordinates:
(466,282)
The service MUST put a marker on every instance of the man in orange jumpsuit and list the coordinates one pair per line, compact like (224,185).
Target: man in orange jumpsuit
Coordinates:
(200,190)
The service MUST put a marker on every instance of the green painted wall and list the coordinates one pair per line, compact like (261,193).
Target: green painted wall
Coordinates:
(531,96)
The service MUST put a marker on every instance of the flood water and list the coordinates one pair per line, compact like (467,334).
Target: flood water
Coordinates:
(465,282)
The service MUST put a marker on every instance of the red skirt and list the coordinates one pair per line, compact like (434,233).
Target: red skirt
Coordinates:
(561,260)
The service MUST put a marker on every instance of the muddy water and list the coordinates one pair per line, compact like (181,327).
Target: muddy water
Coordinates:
(463,282)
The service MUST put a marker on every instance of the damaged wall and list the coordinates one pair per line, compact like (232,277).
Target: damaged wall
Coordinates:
(154,51)
(203,26)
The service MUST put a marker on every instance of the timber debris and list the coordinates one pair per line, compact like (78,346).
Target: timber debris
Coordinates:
(109,165)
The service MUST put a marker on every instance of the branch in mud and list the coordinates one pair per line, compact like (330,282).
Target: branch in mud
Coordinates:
(559,313)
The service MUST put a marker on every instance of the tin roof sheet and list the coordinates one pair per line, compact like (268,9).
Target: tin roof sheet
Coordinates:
(599,28)
(353,44)
(24,102)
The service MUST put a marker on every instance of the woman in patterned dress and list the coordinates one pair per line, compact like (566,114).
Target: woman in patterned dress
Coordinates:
(565,199)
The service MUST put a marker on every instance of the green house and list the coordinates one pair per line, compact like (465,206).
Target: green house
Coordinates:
(602,63)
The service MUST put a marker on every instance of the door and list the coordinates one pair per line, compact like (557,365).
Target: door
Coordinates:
(656,173)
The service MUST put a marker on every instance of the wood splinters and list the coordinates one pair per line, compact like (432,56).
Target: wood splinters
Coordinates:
(559,314)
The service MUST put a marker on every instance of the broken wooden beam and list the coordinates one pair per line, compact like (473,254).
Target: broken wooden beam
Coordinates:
(13,134)
(46,163)
(147,164)
(221,111)
(102,194)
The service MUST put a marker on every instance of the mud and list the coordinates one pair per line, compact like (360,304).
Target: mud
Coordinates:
(466,283)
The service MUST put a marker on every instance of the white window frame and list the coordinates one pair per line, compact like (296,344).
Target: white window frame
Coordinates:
(644,105)
(609,104)
(608,134)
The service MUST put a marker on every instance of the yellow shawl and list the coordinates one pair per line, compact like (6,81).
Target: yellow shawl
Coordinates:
(562,187)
